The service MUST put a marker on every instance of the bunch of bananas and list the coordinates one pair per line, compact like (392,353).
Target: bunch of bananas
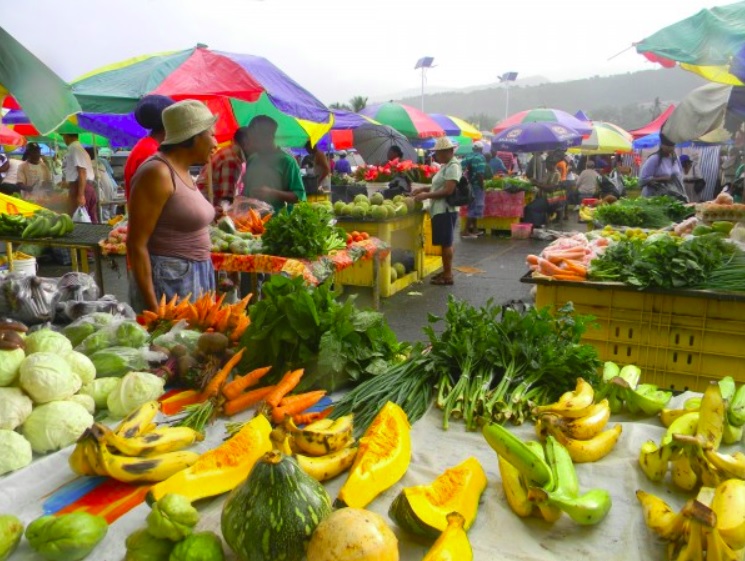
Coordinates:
(12,224)
(543,483)
(690,447)
(627,234)
(137,450)
(323,449)
(577,422)
(710,527)
(586,213)
(622,389)
(47,224)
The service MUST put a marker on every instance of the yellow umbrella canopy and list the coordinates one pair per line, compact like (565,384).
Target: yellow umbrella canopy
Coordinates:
(605,138)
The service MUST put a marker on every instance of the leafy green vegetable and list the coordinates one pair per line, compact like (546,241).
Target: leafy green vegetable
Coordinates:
(294,326)
(305,232)
(643,212)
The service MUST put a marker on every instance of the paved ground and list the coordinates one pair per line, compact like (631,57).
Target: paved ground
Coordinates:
(501,261)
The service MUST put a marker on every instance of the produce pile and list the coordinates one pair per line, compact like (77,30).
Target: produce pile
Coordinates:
(511,184)
(642,212)
(43,224)
(376,207)
(721,208)
(305,232)
(116,241)
(567,258)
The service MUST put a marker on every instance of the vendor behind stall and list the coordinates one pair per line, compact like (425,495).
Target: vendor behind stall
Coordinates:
(77,173)
(272,175)
(33,174)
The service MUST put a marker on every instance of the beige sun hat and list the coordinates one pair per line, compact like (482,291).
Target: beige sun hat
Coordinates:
(444,143)
(185,119)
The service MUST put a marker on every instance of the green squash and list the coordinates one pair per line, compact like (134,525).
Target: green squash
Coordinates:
(273,513)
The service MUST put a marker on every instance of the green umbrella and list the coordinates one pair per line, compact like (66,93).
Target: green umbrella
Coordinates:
(44,96)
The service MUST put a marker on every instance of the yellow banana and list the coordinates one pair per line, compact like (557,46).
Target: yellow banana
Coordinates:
(323,468)
(321,424)
(660,518)
(139,421)
(588,426)
(694,549)
(654,460)
(572,404)
(729,505)
(453,544)
(158,441)
(90,448)
(682,472)
(515,489)
(155,468)
(685,424)
(711,416)
(717,548)
(587,450)
(667,416)
(325,441)
(731,466)
(78,460)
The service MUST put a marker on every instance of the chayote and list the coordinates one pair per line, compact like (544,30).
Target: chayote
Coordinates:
(68,537)
(141,546)
(11,532)
(202,546)
(172,517)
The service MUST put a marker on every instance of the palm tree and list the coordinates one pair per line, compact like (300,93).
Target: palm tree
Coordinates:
(358,103)
(340,106)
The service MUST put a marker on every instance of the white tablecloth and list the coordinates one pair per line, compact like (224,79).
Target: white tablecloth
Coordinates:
(497,532)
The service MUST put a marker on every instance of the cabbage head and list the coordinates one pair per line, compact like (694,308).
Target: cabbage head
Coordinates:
(15,451)
(132,390)
(10,362)
(47,377)
(84,400)
(47,341)
(55,425)
(80,365)
(99,389)
(15,407)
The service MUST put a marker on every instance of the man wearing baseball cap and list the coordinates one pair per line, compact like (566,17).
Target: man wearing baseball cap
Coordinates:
(477,170)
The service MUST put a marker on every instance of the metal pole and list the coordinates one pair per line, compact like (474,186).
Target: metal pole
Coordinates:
(507,99)
(422,89)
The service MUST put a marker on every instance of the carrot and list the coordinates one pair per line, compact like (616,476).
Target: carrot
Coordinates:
(549,268)
(285,386)
(291,400)
(307,418)
(237,386)
(176,403)
(576,267)
(297,406)
(217,381)
(558,257)
(162,305)
(246,400)
(532,259)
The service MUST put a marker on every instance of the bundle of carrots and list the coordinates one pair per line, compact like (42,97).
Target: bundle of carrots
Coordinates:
(206,313)
(560,264)
(251,222)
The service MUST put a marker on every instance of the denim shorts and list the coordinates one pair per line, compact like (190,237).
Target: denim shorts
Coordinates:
(175,276)
(476,208)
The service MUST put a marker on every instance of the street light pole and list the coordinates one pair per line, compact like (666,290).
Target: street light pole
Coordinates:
(505,79)
(424,63)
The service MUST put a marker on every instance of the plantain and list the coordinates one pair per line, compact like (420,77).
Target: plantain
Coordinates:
(549,513)
(319,442)
(571,404)
(79,461)
(729,505)
(587,427)
(587,509)
(711,416)
(323,468)
(533,467)
(661,518)
(152,469)
(591,450)
(515,489)
(154,442)
(139,421)
(654,460)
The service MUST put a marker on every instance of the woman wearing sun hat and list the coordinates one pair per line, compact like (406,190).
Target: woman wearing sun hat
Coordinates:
(444,216)
(168,243)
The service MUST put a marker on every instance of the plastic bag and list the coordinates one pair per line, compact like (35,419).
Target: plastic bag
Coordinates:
(78,330)
(119,333)
(118,361)
(81,215)
(77,286)
(28,298)
(179,335)
(73,310)
(241,206)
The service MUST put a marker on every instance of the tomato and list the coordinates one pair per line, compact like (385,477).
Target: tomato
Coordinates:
(365,236)
(350,239)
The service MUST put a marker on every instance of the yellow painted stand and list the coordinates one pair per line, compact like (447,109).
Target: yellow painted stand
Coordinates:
(319,198)
(432,253)
(404,233)
(491,225)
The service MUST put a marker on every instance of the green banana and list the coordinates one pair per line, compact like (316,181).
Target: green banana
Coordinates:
(685,424)
(614,400)
(654,460)
(610,371)
(736,409)
(69,224)
(646,398)
(565,478)
(727,387)
(630,374)
(515,451)
(586,510)
(731,434)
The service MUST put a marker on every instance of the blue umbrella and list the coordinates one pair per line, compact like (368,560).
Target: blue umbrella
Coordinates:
(536,137)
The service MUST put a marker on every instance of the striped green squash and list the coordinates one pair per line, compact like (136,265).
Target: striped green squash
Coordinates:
(272,514)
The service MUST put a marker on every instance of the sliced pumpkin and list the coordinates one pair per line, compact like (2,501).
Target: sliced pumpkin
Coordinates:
(221,469)
(423,509)
(382,459)
(453,542)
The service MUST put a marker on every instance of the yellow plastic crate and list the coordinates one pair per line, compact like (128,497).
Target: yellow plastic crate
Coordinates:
(319,198)
(680,339)
(429,249)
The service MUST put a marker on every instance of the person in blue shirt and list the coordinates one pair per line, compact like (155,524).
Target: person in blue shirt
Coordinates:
(496,164)
(342,164)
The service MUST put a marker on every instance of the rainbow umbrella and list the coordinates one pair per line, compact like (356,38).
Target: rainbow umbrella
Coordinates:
(556,116)
(104,135)
(9,137)
(236,87)
(453,126)
(407,120)
(710,43)
(605,138)
(535,137)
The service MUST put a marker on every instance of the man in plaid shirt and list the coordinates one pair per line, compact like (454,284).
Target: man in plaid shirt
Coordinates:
(228,165)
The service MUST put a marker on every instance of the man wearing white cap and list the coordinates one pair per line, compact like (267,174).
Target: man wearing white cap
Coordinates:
(476,169)
(343,167)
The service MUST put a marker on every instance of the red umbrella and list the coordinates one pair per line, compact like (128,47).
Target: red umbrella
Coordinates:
(9,137)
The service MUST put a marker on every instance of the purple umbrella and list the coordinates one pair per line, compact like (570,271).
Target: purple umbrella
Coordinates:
(536,137)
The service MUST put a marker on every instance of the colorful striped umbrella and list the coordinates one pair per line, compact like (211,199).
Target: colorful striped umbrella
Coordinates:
(407,120)
(453,126)
(9,137)
(544,116)
(236,87)
(605,138)
(535,137)
(710,43)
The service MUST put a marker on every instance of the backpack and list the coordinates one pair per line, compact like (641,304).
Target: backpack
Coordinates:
(463,194)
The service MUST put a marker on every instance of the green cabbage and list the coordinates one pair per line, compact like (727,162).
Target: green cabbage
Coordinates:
(47,341)
(81,328)
(80,365)
(67,537)
(47,377)
(133,390)
(15,451)
(15,407)
(85,400)
(99,389)
(11,532)
(202,546)
(172,518)
(10,362)
(117,361)
(127,333)
(55,425)
(141,546)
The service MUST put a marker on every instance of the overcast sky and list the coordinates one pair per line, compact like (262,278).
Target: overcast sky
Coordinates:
(338,49)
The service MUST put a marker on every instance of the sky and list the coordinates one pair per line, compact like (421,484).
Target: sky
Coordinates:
(339,49)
